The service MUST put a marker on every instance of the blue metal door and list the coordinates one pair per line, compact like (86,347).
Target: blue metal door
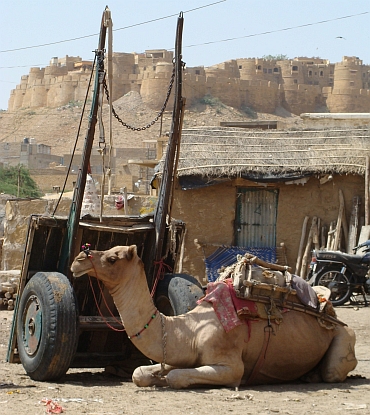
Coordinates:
(256,212)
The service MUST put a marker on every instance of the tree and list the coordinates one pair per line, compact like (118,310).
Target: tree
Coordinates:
(17,181)
(279,57)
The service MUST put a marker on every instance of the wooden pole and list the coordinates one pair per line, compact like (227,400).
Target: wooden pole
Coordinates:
(330,235)
(316,234)
(323,236)
(339,222)
(353,226)
(300,249)
(125,207)
(307,252)
(344,220)
(367,192)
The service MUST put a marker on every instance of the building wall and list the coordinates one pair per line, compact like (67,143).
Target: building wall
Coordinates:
(209,214)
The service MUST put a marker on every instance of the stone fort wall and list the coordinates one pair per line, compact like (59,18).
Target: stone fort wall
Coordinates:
(299,85)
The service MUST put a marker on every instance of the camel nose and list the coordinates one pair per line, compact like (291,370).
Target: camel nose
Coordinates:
(81,256)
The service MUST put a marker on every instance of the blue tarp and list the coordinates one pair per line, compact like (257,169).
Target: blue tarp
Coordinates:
(226,255)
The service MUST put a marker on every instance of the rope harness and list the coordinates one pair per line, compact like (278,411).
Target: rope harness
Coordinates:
(161,268)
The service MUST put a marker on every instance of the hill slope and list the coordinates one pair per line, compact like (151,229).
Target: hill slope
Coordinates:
(57,127)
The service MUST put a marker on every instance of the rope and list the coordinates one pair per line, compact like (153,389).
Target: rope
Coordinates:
(159,276)
(160,272)
(77,137)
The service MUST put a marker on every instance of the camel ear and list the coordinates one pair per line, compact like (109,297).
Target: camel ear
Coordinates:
(132,252)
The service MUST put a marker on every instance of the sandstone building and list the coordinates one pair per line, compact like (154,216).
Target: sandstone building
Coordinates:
(299,85)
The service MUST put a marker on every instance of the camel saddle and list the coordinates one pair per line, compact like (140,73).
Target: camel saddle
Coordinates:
(263,282)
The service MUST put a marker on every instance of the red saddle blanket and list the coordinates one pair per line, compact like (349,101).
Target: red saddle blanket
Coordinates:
(228,306)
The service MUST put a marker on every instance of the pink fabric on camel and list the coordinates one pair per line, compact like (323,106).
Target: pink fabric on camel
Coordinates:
(225,303)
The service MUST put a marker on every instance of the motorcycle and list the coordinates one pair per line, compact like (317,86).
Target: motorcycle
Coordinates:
(346,275)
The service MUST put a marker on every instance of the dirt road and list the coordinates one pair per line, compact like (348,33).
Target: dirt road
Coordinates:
(94,392)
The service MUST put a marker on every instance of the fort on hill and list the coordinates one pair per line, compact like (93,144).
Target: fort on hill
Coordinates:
(299,85)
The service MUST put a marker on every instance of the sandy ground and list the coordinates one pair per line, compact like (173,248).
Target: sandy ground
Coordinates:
(95,392)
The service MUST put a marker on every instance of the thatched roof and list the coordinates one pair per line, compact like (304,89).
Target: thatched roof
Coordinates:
(218,152)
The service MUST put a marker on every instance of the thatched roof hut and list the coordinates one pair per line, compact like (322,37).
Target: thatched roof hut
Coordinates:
(269,183)
(209,153)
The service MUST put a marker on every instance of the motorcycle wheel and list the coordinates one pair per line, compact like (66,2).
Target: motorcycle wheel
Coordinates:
(338,283)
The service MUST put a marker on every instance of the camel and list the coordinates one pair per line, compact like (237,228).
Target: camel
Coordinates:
(193,349)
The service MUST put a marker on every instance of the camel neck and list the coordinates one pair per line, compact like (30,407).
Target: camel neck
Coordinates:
(139,316)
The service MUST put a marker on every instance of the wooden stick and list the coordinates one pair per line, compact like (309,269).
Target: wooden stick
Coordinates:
(344,220)
(300,249)
(367,191)
(339,222)
(253,259)
(323,236)
(307,253)
(330,235)
(315,235)
(353,227)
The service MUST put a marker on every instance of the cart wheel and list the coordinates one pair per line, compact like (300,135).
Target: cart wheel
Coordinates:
(177,294)
(47,326)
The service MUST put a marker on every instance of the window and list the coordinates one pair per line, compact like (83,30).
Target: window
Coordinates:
(295,81)
(270,71)
(197,72)
(321,73)
(276,69)
(259,67)
(264,70)
(240,67)
(309,73)
(295,68)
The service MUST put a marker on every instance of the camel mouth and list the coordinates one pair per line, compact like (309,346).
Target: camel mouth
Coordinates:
(78,274)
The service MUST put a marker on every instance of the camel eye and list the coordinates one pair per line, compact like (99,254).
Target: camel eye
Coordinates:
(112,259)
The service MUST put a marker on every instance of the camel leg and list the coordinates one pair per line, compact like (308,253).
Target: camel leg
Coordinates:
(340,358)
(206,375)
(150,375)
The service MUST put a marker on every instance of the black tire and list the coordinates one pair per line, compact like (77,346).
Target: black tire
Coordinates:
(177,294)
(338,283)
(47,326)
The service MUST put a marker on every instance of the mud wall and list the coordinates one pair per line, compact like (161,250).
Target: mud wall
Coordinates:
(209,214)
(17,214)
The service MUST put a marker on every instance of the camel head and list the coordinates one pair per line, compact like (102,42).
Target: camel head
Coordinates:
(111,266)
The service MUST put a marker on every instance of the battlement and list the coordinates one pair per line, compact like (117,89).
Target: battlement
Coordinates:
(299,85)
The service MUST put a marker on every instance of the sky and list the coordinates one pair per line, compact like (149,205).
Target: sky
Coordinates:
(214,30)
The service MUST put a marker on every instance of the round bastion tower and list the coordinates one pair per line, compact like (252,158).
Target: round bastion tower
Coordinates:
(350,92)
(154,85)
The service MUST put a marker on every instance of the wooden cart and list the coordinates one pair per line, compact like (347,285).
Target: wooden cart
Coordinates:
(61,322)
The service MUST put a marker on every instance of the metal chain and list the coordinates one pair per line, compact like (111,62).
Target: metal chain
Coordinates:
(130,127)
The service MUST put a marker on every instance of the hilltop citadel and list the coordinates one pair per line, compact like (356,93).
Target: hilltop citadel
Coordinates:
(298,85)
